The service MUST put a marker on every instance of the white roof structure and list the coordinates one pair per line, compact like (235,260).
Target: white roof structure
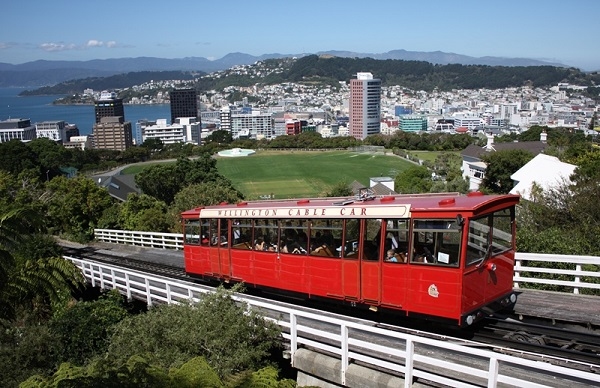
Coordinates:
(545,171)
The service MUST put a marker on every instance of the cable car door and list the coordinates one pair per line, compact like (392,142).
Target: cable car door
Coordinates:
(370,264)
(349,252)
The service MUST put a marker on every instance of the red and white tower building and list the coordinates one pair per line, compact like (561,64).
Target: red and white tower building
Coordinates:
(364,106)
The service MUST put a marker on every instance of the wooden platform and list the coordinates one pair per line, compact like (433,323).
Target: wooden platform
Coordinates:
(560,306)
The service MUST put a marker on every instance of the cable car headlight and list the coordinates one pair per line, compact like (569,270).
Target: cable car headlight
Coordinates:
(491,267)
(470,319)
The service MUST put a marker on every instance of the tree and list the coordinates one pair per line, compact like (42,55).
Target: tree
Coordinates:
(50,156)
(415,179)
(144,213)
(75,206)
(29,276)
(500,166)
(203,194)
(229,336)
(83,329)
(163,182)
(340,189)
(220,136)
(16,157)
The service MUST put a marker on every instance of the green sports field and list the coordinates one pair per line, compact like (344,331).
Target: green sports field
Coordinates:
(296,174)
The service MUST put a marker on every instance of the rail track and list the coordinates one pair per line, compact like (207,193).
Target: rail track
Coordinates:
(571,348)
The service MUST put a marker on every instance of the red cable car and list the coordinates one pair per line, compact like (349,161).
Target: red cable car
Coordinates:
(445,256)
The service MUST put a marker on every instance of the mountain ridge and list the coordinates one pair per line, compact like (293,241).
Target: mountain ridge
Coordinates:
(45,72)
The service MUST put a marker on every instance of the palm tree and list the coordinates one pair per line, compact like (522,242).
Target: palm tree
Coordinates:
(26,281)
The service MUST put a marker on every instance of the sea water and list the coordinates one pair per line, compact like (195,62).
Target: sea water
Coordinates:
(40,108)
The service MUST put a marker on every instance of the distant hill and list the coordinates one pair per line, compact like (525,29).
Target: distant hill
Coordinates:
(329,70)
(42,73)
(116,81)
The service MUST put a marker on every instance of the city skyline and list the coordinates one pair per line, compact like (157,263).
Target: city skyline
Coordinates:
(69,30)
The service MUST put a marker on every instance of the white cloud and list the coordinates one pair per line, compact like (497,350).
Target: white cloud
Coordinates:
(92,43)
(57,46)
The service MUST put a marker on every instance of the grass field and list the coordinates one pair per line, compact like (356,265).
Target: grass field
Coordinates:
(297,174)
(289,174)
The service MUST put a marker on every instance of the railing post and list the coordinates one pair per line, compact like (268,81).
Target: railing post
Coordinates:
(148,295)
(517,272)
(577,278)
(408,364)
(128,287)
(493,373)
(293,337)
(344,348)
(168,291)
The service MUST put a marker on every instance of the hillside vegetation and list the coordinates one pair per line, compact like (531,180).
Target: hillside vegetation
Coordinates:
(329,70)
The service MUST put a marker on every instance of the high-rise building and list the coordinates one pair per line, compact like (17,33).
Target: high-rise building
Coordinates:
(108,105)
(364,106)
(112,133)
(184,103)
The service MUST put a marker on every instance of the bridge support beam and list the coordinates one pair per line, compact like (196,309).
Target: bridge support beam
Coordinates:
(319,370)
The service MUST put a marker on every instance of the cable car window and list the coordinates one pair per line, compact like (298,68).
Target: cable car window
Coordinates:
(241,232)
(351,246)
(436,242)
(192,231)
(325,237)
(223,239)
(395,243)
(266,234)
(490,235)
(294,236)
(502,237)
(205,232)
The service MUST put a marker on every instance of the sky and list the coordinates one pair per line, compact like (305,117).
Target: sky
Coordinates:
(553,30)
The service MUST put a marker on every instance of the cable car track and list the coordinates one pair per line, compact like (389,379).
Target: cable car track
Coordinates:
(542,339)
(568,348)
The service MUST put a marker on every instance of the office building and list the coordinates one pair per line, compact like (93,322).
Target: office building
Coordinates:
(53,130)
(413,123)
(184,103)
(364,106)
(16,129)
(108,105)
(112,133)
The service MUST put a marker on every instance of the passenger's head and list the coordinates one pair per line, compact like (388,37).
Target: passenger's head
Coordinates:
(391,253)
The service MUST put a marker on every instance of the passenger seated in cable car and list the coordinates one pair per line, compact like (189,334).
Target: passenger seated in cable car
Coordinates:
(259,244)
(391,256)
(424,256)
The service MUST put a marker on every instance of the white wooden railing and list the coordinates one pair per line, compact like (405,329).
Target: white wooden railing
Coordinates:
(410,355)
(524,273)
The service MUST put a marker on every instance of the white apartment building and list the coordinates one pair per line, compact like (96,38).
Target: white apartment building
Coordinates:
(258,125)
(168,134)
(53,130)
(192,129)
(468,121)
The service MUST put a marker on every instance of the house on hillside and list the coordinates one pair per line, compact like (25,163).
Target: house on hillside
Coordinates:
(378,185)
(119,186)
(545,171)
(473,168)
